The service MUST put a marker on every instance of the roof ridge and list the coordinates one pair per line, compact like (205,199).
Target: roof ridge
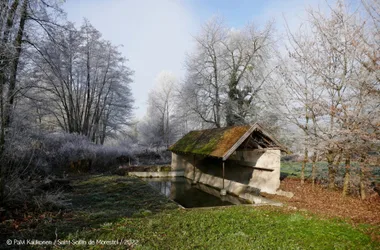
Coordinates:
(233,126)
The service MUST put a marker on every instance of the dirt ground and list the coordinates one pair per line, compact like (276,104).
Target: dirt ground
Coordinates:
(330,203)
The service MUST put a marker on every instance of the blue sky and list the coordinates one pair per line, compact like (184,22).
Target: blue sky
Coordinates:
(237,13)
(157,34)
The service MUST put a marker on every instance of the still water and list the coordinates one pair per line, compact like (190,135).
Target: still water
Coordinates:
(183,192)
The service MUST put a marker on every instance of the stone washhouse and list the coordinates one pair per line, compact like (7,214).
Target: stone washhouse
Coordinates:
(240,160)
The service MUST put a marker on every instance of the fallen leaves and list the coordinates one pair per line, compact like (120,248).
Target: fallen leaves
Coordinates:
(330,203)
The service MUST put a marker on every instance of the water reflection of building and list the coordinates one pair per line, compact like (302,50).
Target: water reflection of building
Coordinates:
(163,186)
(183,192)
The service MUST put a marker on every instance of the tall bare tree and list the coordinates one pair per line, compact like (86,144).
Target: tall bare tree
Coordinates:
(83,82)
(226,72)
(160,124)
(18,20)
(246,57)
(205,73)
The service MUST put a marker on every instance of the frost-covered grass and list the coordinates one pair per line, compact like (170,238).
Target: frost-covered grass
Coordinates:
(56,153)
(34,157)
(93,201)
(114,208)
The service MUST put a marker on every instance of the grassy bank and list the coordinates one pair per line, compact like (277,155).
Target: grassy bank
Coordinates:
(123,208)
(233,228)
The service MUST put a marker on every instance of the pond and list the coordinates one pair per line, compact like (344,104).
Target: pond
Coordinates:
(182,191)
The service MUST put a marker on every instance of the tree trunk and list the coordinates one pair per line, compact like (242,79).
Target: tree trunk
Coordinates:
(333,167)
(363,177)
(346,184)
(2,125)
(4,104)
(167,126)
(3,65)
(86,120)
(332,174)
(216,85)
(306,155)
(15,61)
(305,160)
(313,169)
(331,170)
(233,98)
(217,108)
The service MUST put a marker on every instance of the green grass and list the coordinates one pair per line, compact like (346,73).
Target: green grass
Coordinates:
(125,208)
(233,228)
(293,169)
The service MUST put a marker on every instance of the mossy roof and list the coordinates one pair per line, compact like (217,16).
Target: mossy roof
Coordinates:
(217,142)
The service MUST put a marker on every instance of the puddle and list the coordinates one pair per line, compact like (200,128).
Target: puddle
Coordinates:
(181,191)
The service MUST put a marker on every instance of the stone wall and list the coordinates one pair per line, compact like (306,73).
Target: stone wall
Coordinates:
(157,174)
(182,162)
(267,181)
(259,169)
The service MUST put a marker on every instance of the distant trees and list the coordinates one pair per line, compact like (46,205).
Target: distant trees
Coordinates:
(160,127)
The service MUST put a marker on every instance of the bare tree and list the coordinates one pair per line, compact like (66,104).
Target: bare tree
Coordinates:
(205,73)
(226,73)
(83,82)
(332,82)
(18,19)
(246,57)
(160,125)
(296,95)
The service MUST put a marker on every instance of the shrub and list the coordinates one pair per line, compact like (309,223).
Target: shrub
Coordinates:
(31,157)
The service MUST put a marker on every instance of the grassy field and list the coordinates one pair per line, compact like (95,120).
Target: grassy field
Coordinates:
(107,210)
(293,169)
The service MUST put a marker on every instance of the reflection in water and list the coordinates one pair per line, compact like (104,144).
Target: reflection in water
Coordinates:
(181,191)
